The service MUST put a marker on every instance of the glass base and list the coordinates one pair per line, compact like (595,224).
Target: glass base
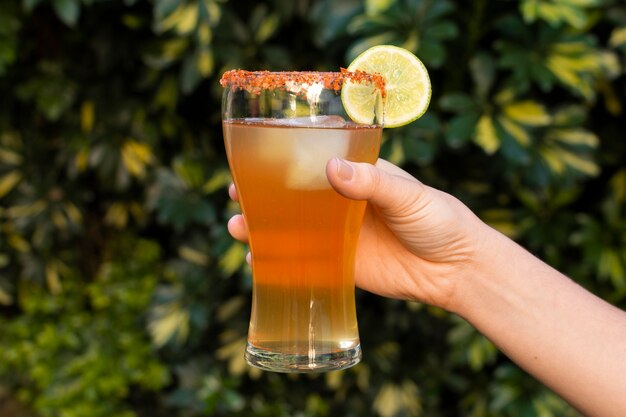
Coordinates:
(282,362)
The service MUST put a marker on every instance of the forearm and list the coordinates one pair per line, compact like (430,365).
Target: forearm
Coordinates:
(566,337)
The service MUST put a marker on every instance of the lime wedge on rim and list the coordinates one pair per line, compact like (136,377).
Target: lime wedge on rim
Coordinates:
(406,82)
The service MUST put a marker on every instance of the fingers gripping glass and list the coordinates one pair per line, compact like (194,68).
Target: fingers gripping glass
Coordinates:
(280,130)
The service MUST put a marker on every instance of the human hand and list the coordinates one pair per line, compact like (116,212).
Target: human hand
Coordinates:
(416,242)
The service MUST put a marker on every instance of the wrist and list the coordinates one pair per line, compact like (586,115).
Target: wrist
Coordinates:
(483,282)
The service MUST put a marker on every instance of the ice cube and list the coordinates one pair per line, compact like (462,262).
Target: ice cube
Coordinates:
(301,152)
(310,153)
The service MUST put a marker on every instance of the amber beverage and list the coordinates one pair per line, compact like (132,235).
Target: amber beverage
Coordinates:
(303,234)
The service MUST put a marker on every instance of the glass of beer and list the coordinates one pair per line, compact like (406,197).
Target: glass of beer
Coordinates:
(280,131)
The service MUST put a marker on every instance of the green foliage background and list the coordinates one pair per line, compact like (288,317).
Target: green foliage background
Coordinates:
(121,293)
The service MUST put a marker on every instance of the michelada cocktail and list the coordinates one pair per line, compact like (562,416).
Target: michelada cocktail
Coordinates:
(280,131)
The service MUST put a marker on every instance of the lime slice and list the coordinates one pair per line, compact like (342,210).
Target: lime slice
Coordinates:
(407,85)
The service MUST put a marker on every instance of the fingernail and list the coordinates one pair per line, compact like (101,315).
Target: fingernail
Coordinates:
(344,170)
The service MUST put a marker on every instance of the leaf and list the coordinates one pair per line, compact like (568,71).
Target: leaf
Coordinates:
(374,7)
(9,181)
(579,163)
(553,160)
(18,243)
(116,215)
(190,171)
(29,5)
(9,157)
(168,321)
(483,70)
(167,93)
(443,30)
(412,41)
(4,260)
(528,112)
(68,11)
(73,213)
(182,18)
(26,210)
(570,115)
(460,129)
(233,259)
(609,65)
(582,3)
(568,75)
(610,265)
(575,16)
(618,37)
(578,137)
(475,355)
(485,135)
(368,24)
(618,185)
(334,379)
(176,204)
(395,153)
(205,62)
(267,28)
(192,255)
(438,9)
(456,102)
(511,149)
(136,156)
(363,44)
(432,53)
(188,19)
(5,297)
(515,130)
(529,9)
(165,7)
(81,160)
(505,96)
(393,400)
(205,34)
(218,180)
(189,75)
(87,116)
(501,220)
(418,150)
(174,48)
(555,14)
(52,278)
(541,409)
(58,219)
(230,308)
(213,11)
(542,76)
(388,400)
(233,351)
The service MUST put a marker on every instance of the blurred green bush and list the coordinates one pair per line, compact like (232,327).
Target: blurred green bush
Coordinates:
(121,294)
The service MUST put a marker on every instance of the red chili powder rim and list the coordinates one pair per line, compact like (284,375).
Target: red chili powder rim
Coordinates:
(257,81)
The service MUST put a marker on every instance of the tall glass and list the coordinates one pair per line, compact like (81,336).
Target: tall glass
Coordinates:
(280,130)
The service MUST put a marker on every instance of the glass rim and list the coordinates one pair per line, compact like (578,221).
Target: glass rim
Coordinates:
(257,81)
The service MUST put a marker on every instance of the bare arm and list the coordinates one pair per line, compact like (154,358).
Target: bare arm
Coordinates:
(566,337)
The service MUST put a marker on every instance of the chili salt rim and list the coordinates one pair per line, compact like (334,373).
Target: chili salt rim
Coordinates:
(257,81)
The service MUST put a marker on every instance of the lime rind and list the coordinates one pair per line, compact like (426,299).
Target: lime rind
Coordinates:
(408,89)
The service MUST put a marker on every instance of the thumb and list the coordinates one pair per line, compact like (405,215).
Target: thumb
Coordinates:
(384,185)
